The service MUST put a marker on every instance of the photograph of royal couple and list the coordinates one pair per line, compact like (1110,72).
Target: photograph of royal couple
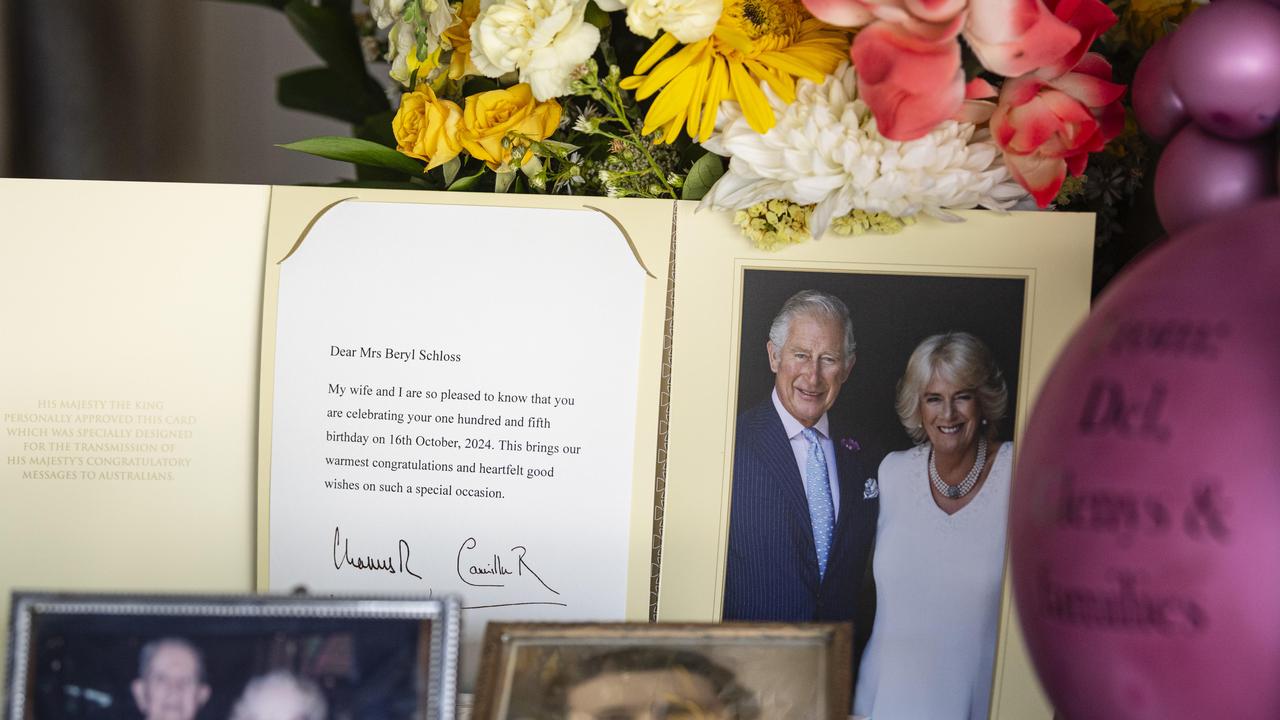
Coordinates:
(908,543)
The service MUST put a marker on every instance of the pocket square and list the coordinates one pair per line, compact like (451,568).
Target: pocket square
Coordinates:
(871,489)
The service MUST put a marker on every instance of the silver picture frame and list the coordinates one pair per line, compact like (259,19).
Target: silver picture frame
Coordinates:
(107,655)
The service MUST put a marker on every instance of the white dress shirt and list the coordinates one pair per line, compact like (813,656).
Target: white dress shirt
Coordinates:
(800,447)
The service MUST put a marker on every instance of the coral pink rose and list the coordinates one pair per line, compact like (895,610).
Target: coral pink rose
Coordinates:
(908,57)
(910,84)
(1048,127)
(1090,17)
(1014,37)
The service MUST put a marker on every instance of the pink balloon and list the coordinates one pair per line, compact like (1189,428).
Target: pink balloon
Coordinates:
(1159,110)
(1200,176)
(1224,61)
(1145,514)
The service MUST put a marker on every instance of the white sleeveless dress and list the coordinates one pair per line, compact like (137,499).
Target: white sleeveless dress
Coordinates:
(938,581)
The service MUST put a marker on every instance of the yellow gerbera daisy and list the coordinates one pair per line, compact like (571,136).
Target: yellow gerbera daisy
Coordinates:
(771,40)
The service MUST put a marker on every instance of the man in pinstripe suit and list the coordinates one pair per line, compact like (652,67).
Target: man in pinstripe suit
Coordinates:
(803,512)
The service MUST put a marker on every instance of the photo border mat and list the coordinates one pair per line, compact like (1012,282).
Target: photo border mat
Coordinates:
(1051,252)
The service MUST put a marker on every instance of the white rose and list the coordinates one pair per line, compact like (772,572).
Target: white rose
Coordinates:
(386,12)
(543,39)
(688,20)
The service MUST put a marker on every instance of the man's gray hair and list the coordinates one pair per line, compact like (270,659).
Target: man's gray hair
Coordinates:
(148,654)
(258,691)
(813,302)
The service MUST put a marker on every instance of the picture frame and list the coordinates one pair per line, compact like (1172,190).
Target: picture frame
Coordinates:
(532,671)
(116,655)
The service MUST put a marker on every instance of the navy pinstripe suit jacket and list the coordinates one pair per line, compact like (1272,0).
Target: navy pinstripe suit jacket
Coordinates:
(772,569)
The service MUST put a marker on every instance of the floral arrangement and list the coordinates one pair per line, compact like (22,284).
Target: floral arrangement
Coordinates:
(801,116)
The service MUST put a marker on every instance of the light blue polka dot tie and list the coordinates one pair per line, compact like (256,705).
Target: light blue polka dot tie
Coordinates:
(818,487)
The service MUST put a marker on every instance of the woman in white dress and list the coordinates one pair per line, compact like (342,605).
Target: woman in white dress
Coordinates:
(940,538)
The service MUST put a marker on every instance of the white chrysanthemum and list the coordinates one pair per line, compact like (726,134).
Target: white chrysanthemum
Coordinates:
(688,20)
(825,151)
(543,39)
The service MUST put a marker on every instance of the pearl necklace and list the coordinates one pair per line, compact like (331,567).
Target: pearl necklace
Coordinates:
(958,491)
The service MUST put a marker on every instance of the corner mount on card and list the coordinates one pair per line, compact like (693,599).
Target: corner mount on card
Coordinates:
(630,243)
(306,230)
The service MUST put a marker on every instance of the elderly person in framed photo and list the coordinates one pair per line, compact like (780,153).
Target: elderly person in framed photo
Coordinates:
(802,514)
(940,539)
(171,681)
(280,695)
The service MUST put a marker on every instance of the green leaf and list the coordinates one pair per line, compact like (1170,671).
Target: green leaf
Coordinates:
(503,181)
(377,174)
(359,152)
(702,176)
(451,169)
(468,182)
(595,16)
(476,84)
(338,6)
(377,128)
(559,149)
(277,4)
(332,34)
(324,92)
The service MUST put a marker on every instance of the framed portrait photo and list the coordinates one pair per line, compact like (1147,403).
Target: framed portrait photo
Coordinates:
(244,657)
(842,450)
(730,671)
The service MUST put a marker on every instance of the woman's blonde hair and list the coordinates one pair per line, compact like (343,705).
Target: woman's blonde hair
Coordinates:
(959,358)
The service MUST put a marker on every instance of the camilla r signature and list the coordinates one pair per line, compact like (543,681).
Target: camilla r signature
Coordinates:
(390,564)
(492,572)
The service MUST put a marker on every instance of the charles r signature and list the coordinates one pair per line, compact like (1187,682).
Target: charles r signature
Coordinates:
(492,571)
(391,565)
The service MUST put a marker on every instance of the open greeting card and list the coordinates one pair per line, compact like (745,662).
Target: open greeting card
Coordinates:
(541,405)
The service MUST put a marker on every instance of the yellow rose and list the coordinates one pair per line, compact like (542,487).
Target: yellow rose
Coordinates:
(511,114)
(427,128)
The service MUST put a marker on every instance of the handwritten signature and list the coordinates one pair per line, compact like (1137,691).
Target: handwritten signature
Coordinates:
(494,569)
(390,564)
